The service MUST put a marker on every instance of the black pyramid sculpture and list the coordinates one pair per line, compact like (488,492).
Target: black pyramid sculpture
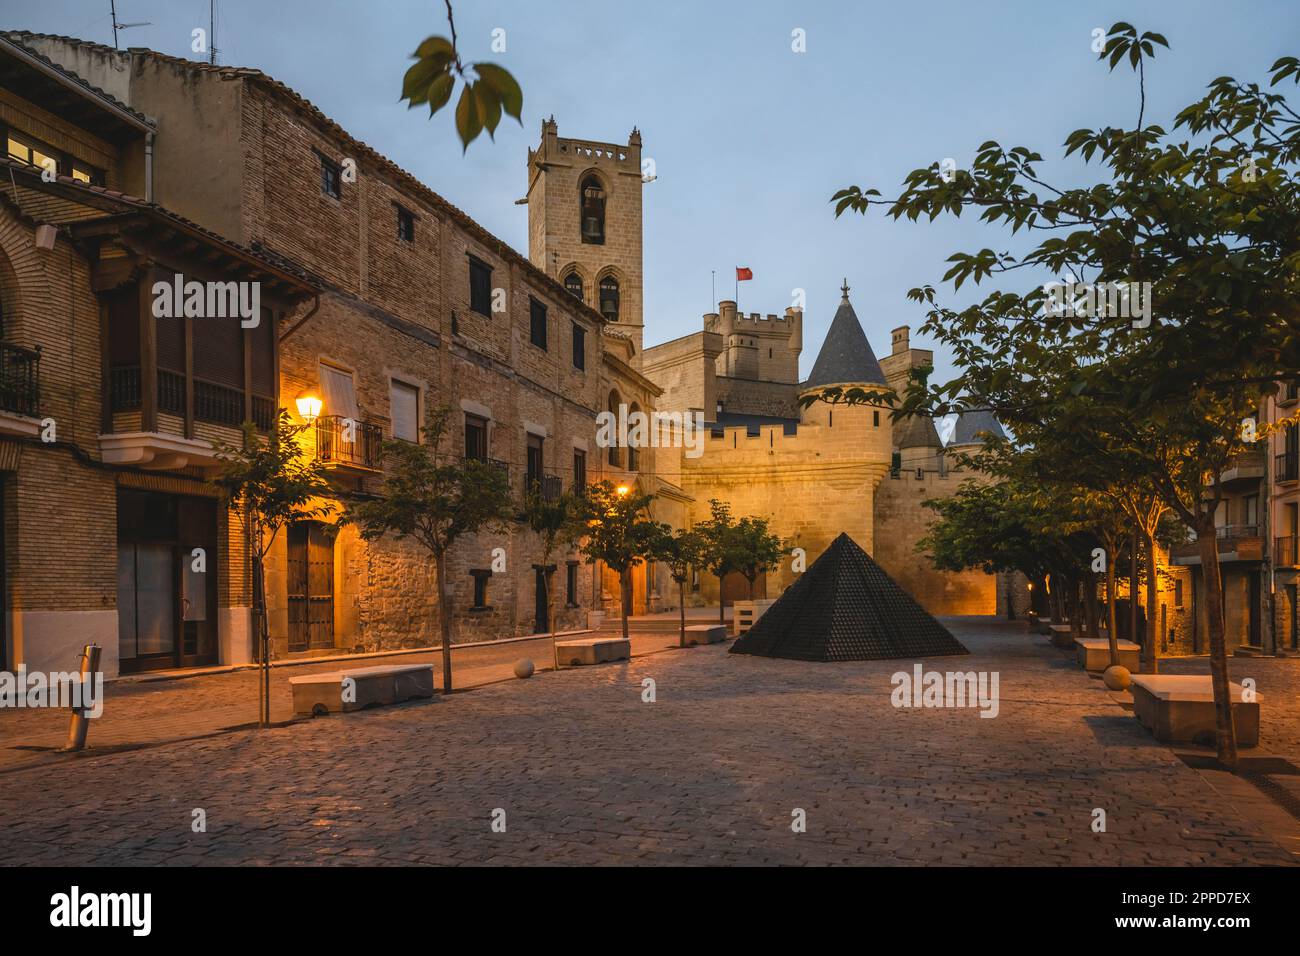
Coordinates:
(846,608)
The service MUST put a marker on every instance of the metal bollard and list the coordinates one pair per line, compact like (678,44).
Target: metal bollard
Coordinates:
(80,723)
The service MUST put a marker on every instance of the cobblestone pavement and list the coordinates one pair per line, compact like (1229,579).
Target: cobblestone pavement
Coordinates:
(710,773)
(146,710)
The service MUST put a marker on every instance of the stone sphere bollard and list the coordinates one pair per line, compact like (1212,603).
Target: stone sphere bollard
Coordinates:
(524,668)
(1116,677)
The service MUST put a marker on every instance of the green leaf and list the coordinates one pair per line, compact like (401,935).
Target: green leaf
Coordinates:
(489,107)
(439,92)
(435,46)
(508,92)
(468,122)
(415,84)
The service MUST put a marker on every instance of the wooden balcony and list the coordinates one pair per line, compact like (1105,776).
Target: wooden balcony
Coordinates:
(1286,552)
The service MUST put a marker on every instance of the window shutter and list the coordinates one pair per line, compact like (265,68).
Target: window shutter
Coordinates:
(337,392)
(404,410)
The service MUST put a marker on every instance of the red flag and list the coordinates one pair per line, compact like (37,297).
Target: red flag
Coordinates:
(743,273)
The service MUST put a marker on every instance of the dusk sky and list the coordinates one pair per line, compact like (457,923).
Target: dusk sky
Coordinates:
(749,138)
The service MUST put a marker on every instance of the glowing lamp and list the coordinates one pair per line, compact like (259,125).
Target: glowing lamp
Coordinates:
(622,490)
(309,407)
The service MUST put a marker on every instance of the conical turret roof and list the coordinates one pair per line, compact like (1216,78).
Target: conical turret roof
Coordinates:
(845,356)
(846,608)
(970,426)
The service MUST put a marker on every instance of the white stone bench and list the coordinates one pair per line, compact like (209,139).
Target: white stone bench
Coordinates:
(593,650)
(1179,708)
(705,634)
(1094,654)
(374,687)
(745,613)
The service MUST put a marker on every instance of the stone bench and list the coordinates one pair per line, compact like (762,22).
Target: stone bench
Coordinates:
(374,687)
(1062,636)
(1179,708)
(705,634)
(1094,654)
(593,650)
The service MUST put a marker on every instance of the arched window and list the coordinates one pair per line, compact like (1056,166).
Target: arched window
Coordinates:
(573,285)
(615,453)
(593,211)
(633,452)
(609,298)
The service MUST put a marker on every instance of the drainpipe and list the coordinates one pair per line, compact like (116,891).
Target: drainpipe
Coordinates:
(148,167)
(303,321)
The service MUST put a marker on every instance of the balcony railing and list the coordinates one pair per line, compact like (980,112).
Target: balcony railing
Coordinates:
(550,487)
(349,443)
(1286,467)
(1289,392)
(214,403)
(1286,552)
(1237,531)
(20,376)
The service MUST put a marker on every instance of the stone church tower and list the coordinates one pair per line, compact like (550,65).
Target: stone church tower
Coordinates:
(584,224)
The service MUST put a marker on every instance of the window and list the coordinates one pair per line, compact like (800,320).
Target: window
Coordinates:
(579,470)
(31,151)
(1250,510)
(330,178)
(480,286)
(533,478)
(404,410)
(571,585)
(480,576)
(875,419)
(609,298)
(1178,592)
(593,211)
(537,323)
(579,347)
(615,455)
(573,285)
(633,451)
(476,435)
(337,393)
(405,225)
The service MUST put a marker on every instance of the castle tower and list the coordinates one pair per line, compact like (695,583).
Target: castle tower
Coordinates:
(584,224)
(972,431)
(845,360)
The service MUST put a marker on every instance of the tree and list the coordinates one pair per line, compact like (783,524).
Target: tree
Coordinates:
(432,79)
(270,483)
(756,549)
(679,551)
(1207,228)
(719,554)
(435,502)
(619,533)
(558,523)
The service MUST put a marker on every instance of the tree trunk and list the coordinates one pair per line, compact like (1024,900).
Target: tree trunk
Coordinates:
(1133,588)
(1073,609)
(444,618)
(1225,733)
(681,604)
(722,610)
(1091,613)
(1153,583)
(625,585)
(751,586)
(1111,633)
(262,633)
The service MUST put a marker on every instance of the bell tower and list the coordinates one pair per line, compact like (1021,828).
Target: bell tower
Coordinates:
(584,224)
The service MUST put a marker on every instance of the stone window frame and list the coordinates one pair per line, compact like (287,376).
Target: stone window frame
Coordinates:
(537,322)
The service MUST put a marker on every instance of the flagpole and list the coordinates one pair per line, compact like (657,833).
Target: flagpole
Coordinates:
(713,289)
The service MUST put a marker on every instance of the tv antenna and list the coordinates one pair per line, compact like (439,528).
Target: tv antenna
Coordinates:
(112,5)
(212,32)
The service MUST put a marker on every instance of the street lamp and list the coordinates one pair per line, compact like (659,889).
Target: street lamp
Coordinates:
(309,407)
